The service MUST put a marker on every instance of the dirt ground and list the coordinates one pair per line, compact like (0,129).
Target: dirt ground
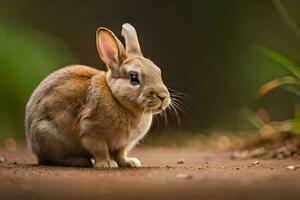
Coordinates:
(201,175)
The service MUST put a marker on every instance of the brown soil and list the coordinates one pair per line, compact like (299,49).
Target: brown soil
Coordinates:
(201,175)
(288,147)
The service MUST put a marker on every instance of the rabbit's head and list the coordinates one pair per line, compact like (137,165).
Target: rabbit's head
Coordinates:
(134,80)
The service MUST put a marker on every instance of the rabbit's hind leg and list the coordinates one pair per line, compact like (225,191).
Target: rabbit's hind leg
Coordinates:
(53,147)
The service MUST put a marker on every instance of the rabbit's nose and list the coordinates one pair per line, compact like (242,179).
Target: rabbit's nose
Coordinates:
(162,96)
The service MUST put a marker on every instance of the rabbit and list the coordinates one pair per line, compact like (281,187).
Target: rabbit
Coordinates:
(83,117)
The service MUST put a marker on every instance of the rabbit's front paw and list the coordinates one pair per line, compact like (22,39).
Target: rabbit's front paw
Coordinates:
(106,164)
(131,162)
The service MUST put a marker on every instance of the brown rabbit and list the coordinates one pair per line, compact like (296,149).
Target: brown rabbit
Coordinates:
(79,113)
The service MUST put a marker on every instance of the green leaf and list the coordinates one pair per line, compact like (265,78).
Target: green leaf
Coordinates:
(250,116)
(278,58)
(293,89)
(279,82)
(286,16)
(296,126)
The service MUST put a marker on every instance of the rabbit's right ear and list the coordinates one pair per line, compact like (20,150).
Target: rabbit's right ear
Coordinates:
(110,49)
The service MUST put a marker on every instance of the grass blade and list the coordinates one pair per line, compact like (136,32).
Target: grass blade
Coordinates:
(293,89)
(275,83)
(286,16)
(250,116)
(278,58)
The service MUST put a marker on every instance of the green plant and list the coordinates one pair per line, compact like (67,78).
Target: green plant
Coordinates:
(291,82)
(27,55)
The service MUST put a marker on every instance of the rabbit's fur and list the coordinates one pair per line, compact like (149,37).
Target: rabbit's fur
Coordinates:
(79,113)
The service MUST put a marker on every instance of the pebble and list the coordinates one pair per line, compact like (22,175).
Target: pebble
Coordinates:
(256,162)
(181,161)
(184,176)
(293,167)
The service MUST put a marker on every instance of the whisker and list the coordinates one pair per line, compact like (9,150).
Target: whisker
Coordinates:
(168,112)
(178,93)
(178,96)
(180,111)
(173,109)
(165,118)
(178,105)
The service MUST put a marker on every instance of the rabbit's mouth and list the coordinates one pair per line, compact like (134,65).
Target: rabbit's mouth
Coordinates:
(158,108)
(156,104)
(154,108)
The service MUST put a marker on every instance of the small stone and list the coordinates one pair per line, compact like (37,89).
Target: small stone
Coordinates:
(93,161)
(256,162)
(293,167)
(181,161)
(184,176)
(2,159)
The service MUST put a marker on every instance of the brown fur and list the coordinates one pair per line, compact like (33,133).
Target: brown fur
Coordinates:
(78,113)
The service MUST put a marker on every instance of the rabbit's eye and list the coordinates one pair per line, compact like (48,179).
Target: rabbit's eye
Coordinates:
(134,78)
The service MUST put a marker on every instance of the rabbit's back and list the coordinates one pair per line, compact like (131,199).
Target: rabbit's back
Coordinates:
(53,110)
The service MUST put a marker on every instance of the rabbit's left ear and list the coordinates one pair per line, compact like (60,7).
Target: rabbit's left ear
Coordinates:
(110,48)
(132,45)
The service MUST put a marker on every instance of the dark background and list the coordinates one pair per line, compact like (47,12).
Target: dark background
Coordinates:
(203,47)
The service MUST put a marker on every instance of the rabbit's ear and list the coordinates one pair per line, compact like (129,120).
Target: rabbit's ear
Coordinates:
(110,48)
(131,39)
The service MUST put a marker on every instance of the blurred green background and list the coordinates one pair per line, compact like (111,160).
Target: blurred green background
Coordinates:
(203,47)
